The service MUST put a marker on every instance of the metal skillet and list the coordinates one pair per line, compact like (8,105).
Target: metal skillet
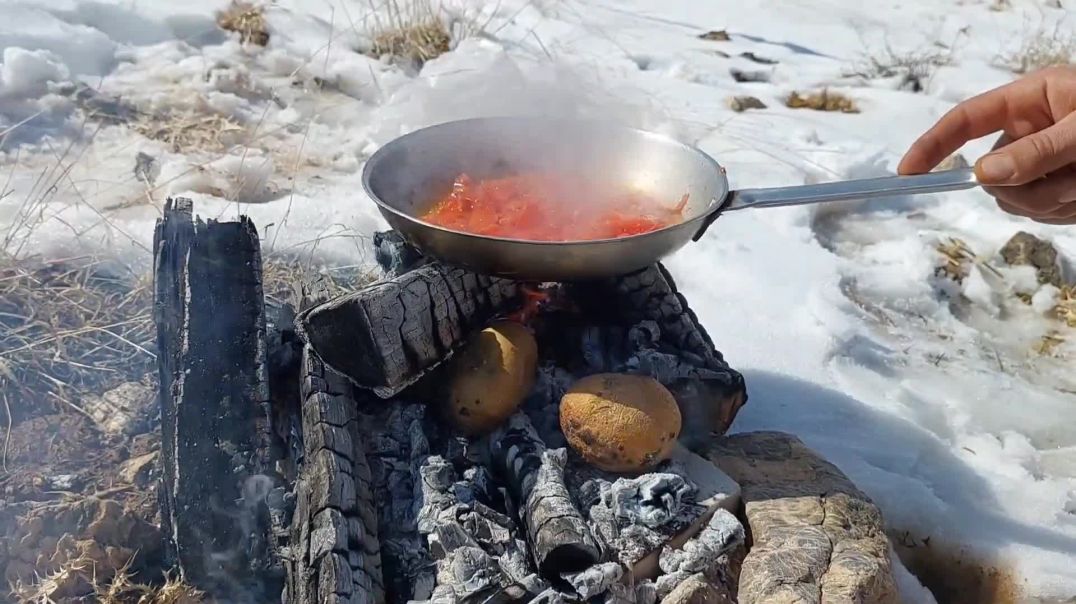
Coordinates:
(405,175)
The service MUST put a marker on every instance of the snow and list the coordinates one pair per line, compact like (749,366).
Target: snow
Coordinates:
(928,393)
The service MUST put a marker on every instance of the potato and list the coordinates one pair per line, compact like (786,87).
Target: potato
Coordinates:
(620,422)
(491,377)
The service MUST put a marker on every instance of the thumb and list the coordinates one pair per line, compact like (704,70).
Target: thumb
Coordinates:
(1031,157)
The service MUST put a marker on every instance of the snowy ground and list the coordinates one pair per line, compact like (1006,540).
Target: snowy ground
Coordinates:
(936,405)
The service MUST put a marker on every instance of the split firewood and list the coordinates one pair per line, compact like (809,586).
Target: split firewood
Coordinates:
(558,536)
(386,336)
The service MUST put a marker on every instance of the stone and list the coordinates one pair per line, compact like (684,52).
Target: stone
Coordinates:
(740,104)
(716,36)
(136,469)
(955,161)
(1025,249)
(125,410)
(697,589)
(816,537)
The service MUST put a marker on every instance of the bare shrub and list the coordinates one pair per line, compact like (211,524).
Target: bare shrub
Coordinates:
(1045,47)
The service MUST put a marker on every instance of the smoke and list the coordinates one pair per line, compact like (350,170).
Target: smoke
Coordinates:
(480,79)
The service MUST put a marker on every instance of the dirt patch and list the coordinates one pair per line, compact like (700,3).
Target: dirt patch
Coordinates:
(956,577)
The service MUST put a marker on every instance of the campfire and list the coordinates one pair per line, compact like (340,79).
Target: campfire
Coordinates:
(437,435)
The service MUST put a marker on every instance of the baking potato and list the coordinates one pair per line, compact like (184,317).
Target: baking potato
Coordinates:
(491,377)
(620,422)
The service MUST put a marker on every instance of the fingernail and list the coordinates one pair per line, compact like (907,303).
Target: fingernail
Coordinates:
(996,168)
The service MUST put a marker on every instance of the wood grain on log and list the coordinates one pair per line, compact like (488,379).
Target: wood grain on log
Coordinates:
(335,552)
(214,398)
(387,335)
(559,538)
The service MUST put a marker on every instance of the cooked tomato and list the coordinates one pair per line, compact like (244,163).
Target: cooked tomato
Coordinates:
(545,207)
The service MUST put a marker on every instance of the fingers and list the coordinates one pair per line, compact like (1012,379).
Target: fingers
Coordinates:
(976,117)
(1031,157)
(1048,199)
(1018,107)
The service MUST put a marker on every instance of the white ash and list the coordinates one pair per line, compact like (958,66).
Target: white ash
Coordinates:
(620,509)
(644,592)
(705,553)
(595,580)
(542,406)
(652,500)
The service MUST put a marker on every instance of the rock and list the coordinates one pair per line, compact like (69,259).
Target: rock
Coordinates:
(1025,249)
(716,36)
(749,77)
(817,538)
(124,410)
(136,469)
(743,103)
(955,161)
(697,589)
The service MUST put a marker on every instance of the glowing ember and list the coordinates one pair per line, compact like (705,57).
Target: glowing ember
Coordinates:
(533,301)
(544,207)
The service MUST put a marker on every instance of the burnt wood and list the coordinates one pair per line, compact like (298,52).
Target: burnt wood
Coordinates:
(214,400)
(335,554)
(559,538)
(709,391)
(387,335)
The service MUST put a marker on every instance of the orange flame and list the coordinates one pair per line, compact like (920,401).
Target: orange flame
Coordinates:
(533,300)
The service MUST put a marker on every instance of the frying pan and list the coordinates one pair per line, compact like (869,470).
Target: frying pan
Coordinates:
(405,175)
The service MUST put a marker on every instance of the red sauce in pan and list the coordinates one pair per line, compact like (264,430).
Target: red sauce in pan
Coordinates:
(547,207)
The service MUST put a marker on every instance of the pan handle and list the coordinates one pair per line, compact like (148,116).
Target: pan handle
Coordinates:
(886,186)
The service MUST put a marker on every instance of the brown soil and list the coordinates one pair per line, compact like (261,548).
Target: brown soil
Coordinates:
(957,577)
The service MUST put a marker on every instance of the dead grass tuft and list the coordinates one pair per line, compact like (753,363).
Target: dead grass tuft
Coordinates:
(914,68)
(284,277)
(824,100)
(247,20)
(68,328)
(1065,309)
(118,588)
(957,259)
(187,131)
(1043,48)
(123,590)
(413,31)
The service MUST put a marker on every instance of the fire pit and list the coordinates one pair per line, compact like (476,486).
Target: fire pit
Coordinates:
(352,449)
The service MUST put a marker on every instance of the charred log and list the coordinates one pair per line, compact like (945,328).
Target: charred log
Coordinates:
(658,334)
(388,335)
(398,443)
(394,254)
(335,551)
(214,399)
(559,537)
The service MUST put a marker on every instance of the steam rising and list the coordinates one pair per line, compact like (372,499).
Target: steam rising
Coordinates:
(473,84)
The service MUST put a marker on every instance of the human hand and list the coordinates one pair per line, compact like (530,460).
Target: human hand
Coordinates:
(1032,168)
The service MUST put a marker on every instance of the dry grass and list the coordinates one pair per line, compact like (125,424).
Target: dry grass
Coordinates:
(68,328)
(104,587)
(247,20)
(189,131)
(957,259)
(413,31)
(915,68)
(122,590)
(283,278)
(1043,48)
(824,100)
(1065,309)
